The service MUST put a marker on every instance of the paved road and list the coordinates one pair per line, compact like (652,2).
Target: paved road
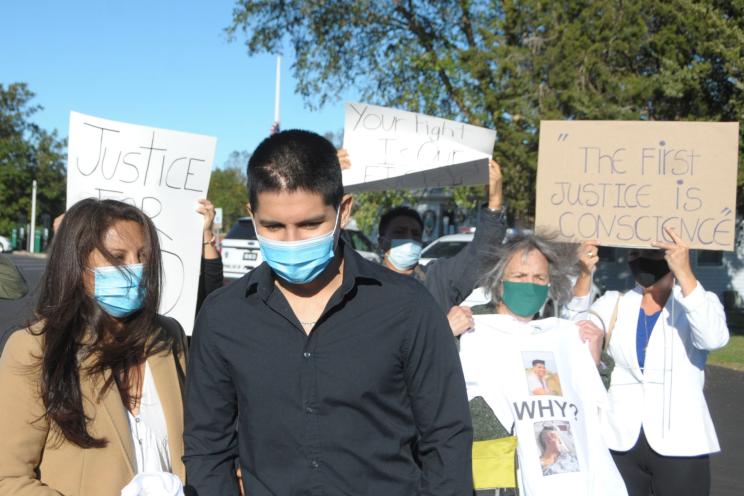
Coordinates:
(724,390)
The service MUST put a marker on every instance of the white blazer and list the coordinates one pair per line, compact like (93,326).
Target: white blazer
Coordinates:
(666,398)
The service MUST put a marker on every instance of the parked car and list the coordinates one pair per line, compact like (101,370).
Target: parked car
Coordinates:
(5,244)
(446,246)
(240,250)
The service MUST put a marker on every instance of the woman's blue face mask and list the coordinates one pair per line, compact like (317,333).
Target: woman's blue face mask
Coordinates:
(117,289)
(299,262)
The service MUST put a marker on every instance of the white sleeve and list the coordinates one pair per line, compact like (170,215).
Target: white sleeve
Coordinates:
(601,311)
(706,317)
(469,359)
(575,308)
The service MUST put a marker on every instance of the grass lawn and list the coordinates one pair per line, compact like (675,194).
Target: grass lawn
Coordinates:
(731,355)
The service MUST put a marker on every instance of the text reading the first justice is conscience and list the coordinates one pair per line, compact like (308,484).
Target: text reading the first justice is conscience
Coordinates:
(615,204)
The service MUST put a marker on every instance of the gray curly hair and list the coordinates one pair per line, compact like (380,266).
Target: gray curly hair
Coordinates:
(562,264)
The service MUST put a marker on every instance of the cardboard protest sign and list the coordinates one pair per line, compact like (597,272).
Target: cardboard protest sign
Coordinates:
(395,149)
(623,182)
(162,172)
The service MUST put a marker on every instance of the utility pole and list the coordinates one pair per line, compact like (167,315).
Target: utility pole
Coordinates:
(276,91)
(32,232)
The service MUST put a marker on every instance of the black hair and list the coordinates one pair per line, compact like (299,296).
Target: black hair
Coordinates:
(295,160)
(535,362)
(393,213)
(70,317)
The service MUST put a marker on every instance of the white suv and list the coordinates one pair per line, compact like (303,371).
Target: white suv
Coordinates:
(240,250)
(4,244)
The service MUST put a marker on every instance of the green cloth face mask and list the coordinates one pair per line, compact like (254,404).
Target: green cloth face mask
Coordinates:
(524,298)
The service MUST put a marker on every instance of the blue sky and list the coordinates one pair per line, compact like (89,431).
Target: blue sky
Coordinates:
(161,63)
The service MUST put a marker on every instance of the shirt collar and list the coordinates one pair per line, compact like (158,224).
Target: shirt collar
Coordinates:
(261,279)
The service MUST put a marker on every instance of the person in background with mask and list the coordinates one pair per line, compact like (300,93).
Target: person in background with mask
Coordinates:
(90,394)
(342,375)
(449,280)
(659,333)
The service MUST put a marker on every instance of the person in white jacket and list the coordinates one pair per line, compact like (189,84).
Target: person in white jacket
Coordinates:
(660,333)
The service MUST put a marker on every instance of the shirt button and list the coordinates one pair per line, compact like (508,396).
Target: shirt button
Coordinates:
(307,354)
(315,464)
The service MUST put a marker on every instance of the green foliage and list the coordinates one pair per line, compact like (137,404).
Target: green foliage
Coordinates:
(470,197)
(227,189)
(27,152)
(369,206)
(508,64)
(732,355)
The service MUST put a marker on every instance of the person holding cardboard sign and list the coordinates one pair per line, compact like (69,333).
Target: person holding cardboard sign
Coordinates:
(449,280)
(659,333)
(91,393)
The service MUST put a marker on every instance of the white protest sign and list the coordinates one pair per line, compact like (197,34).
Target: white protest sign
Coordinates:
(162,172)
(624,182)
(395,149)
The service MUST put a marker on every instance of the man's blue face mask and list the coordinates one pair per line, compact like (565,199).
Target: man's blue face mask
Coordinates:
(299,262)
(404,254)
(117,289)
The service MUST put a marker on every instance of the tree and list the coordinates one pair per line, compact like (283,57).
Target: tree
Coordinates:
(368,207)
(507,65)
(27,152)
(227,188)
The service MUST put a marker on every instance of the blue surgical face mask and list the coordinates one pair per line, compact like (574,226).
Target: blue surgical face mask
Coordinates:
(404,254)
(117,289)
(299,262)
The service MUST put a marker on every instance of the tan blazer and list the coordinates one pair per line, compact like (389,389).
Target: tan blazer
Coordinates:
(35,460)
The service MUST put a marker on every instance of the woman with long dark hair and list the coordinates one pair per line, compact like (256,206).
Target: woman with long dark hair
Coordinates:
(90,393)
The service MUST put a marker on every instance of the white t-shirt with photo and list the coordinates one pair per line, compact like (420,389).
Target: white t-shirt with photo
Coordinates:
(559,437)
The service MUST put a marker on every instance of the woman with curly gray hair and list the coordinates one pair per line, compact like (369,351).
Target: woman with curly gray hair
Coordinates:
(561,269)
(523,373)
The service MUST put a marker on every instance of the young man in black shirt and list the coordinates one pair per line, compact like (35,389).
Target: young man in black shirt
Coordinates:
(342,375)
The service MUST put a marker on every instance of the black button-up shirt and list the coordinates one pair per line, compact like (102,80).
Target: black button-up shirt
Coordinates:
(371,402)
